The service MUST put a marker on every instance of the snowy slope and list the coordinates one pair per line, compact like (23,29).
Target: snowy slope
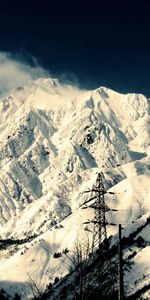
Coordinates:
(54,140)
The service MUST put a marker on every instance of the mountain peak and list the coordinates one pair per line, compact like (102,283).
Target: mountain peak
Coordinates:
(54,138)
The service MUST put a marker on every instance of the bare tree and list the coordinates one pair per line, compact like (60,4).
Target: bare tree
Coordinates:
(36,292)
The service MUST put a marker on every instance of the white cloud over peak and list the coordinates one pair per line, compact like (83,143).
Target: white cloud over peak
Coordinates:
(16,72)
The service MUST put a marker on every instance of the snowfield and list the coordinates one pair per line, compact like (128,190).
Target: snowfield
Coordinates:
(54,140)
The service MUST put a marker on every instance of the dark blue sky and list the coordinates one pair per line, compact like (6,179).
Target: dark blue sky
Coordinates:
(98,43)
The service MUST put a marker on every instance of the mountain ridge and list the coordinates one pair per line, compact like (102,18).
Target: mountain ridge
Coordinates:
(54,139)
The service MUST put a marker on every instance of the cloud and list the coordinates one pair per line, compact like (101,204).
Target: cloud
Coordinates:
(17,70)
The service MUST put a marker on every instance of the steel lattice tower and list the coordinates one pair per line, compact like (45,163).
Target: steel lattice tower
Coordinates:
(99,234)
(100,209)
(99,220)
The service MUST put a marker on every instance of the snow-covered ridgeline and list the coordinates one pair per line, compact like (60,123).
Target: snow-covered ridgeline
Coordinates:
(54,138)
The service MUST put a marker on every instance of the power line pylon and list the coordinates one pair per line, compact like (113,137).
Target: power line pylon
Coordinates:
(99,222)
(100,208)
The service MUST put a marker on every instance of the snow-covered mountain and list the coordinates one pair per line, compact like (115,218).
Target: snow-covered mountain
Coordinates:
(54,139)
